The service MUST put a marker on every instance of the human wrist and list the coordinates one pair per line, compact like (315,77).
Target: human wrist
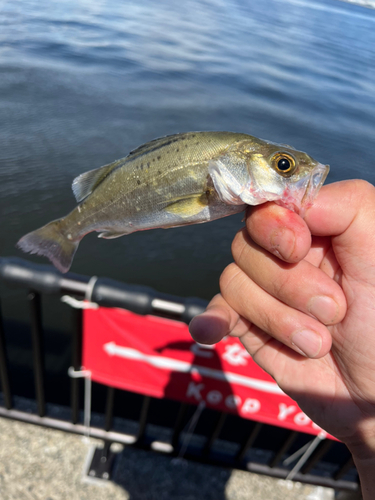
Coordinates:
(365,468)
(362,443)
(362,449)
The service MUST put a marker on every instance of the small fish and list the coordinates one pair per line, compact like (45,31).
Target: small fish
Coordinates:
(178,180)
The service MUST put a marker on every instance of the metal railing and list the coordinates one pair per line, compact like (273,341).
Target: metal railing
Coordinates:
(328,465)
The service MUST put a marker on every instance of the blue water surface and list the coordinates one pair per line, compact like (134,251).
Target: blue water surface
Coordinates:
(84,82)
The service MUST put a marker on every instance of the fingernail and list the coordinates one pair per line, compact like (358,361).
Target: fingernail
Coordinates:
(283,242)
(324,308)
(308,342)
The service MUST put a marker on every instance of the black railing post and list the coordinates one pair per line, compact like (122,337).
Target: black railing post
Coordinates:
(179,425)
(37,343)
(214,434)
(292,436)
(143,419)
(322,449)
(76,362)
(250,441)
(109,408)
(4,371)
(344,468)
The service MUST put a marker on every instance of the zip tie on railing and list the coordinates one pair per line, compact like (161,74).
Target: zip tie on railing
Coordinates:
(78,373)
(307,451)
(190,429)
(90,288)
(78,304)
(86,303)
(86,374)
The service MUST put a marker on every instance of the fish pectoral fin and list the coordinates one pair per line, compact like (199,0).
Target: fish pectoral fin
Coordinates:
(111,235)
(227,186)
(84,184)
(187,207)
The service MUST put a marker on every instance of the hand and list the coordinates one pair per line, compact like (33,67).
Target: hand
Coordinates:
(300,295)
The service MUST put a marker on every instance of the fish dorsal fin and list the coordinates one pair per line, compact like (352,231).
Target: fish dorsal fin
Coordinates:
(84,184)
(157,144)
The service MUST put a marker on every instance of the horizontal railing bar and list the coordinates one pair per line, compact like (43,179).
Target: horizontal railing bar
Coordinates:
(64,425)
(74,286)
(167,306)
(130,439)
(303,478)
(104,291)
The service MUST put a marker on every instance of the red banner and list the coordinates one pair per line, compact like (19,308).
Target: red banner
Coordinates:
(157,357)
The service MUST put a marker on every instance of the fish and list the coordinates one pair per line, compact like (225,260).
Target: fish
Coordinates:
(176,180)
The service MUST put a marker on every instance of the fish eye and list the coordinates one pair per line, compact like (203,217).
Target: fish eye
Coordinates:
(283,163)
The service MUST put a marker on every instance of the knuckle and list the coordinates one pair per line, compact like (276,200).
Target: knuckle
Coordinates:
(265,321)
(227,276)
(238,245)
(361,192)
(363,186)
(216,300)
(366,192)
(282,286)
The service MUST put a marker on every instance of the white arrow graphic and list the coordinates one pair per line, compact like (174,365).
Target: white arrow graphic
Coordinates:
(164,363)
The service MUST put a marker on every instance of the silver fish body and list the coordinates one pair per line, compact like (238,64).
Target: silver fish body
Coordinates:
(178,180)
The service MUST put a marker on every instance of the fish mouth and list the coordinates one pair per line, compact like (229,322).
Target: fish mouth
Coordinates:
(301,194)
(316,181)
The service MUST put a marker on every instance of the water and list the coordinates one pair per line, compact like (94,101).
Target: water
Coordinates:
(84,82)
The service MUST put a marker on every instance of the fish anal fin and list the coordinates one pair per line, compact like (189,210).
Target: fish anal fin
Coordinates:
(111,235)
(188,207)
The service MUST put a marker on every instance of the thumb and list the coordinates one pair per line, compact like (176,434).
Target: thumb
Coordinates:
(346,212)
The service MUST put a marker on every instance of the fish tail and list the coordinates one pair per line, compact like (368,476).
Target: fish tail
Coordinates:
(51,241)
